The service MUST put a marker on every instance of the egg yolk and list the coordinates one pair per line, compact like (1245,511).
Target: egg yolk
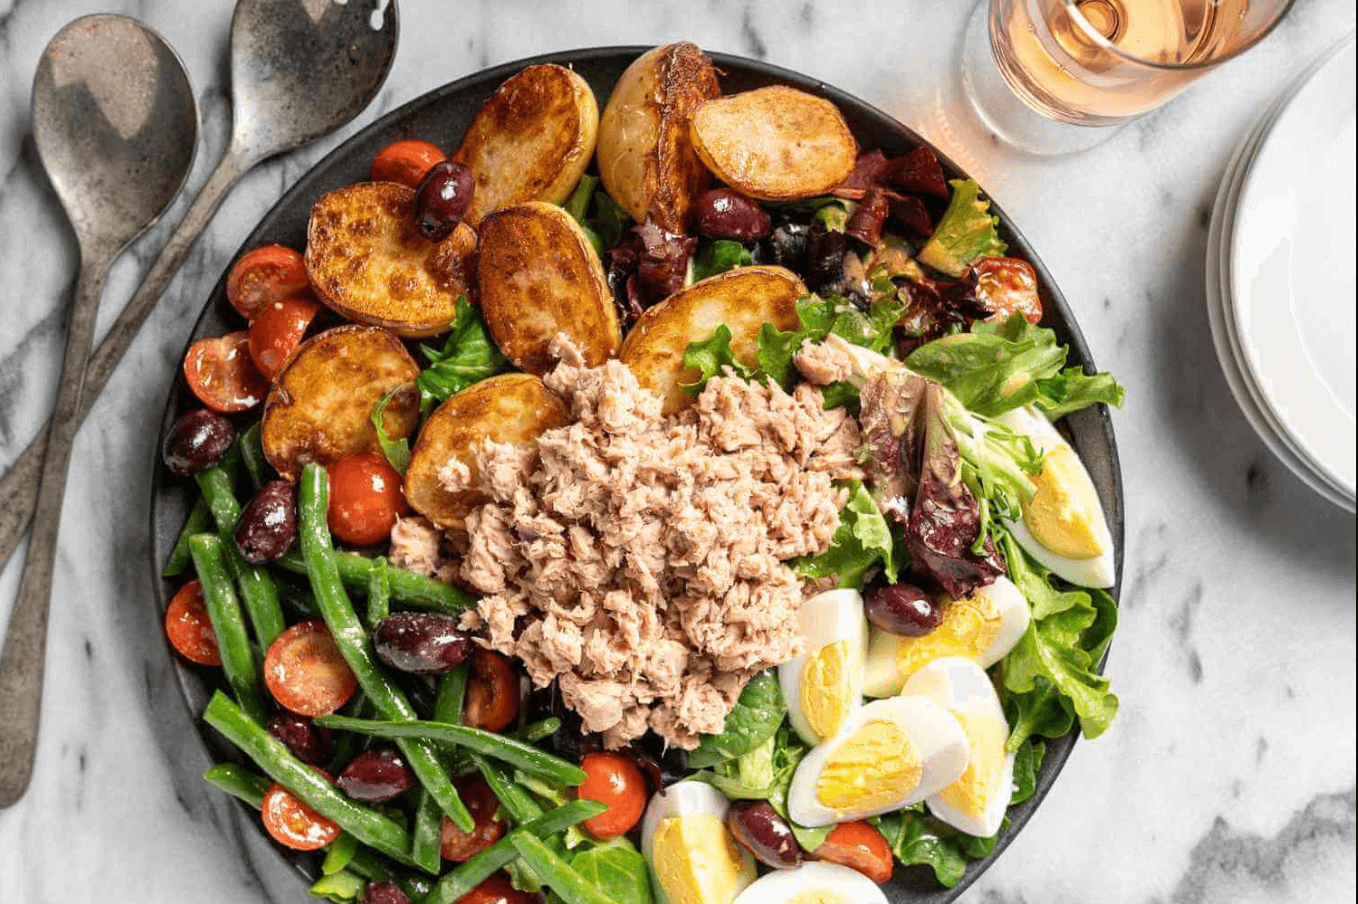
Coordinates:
(970,625)
(827,693)
(818,896)
(875,766)
(696,860)
(1064,514)
(978,785)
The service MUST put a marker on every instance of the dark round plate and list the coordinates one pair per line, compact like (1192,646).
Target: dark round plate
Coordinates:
(441,116)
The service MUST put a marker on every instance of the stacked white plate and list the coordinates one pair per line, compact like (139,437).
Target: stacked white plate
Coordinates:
(1281,275)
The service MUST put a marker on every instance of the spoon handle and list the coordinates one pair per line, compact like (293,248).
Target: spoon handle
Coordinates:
(21,664)
(19,489)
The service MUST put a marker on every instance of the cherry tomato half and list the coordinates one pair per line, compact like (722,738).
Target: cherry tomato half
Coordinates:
(497,890)
(305,671)
(492,700)
(277,329)
(406,162)
(365,498)
(223,376)
(1007,285)
(188,627)
(615,781)
(459,846)
(292,823)
(861,846)
(264,275)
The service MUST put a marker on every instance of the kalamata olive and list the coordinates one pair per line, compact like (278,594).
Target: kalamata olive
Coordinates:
(308,742)
(382,893)
(755,824)
(825,250)
(902,609)
(784,247)
(197,441)
(376,775)
(442,199)
(422,643)
(725,214)
(267,527)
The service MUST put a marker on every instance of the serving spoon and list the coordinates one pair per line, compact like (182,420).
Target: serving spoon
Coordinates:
(116,126)
(300,69)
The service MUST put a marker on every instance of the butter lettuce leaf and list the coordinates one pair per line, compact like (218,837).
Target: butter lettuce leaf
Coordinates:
(718,257)
(917,839)
(468,356)
(862,541)
(966,231)
(752,721)
(616,869)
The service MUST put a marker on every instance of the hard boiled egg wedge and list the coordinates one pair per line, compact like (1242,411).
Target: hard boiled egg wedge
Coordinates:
(976,802)
(890,754)
(693,858)
(1063,525)
(814,883)
(982,627)
(824,684)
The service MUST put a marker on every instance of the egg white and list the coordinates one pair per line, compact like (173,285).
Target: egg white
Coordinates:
(690,798)
(826,618)
(930,730)
(963,689)
(881,670)
(841,884)
(1097,571)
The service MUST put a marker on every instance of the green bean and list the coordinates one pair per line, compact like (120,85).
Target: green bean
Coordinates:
(239,661)
(407,587)
(239,782)
(338,853)
(354,645)
(452,692)
(199,521)
(364,823)
(509,750)
(428,831)
(427,836)
(379,595)
(370,865)
(499,855)
(536,731)
(256,586)
(252,455)
(518,803)
(555,873)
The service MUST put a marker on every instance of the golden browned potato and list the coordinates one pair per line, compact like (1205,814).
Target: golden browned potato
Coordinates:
(743,299)
(539,276)
(775,143)
(531,141)
(510,408)
(646,157)
(320,407)
(367,260)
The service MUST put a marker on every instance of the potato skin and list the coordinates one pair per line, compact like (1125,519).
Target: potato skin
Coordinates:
(646,156)
(539,276)
(368,262)
(321,405)
(510,408)
(743,299)
(531,141)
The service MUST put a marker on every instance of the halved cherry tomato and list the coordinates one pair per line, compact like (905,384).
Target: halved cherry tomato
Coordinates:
(859,845)
(189,628)
(263,275)
(616,782)
(365,498)
(305,671)
(459,846)
(222,374)
(277,329)
(292,823)
(406,162)
(497,890)
(492,700)
(1007,285)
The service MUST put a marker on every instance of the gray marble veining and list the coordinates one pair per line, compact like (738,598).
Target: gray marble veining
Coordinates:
(1229,777)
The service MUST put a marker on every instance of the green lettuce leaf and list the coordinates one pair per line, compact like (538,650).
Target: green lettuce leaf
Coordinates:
(966,231)
(862,541)
(752,721)
(718,257)
(468,356)
(397,451)
(597,213)
(917,839)
(617,870)
(1027,761)
(1073,389)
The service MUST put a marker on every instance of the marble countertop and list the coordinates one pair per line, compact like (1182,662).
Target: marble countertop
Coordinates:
(1228,778)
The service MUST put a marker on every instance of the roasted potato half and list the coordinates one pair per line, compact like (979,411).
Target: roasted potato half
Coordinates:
(531,141)
(743,299)
(775,143)
(367,260)
(321,404)
(539,276)
(510,408)
(646,157)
